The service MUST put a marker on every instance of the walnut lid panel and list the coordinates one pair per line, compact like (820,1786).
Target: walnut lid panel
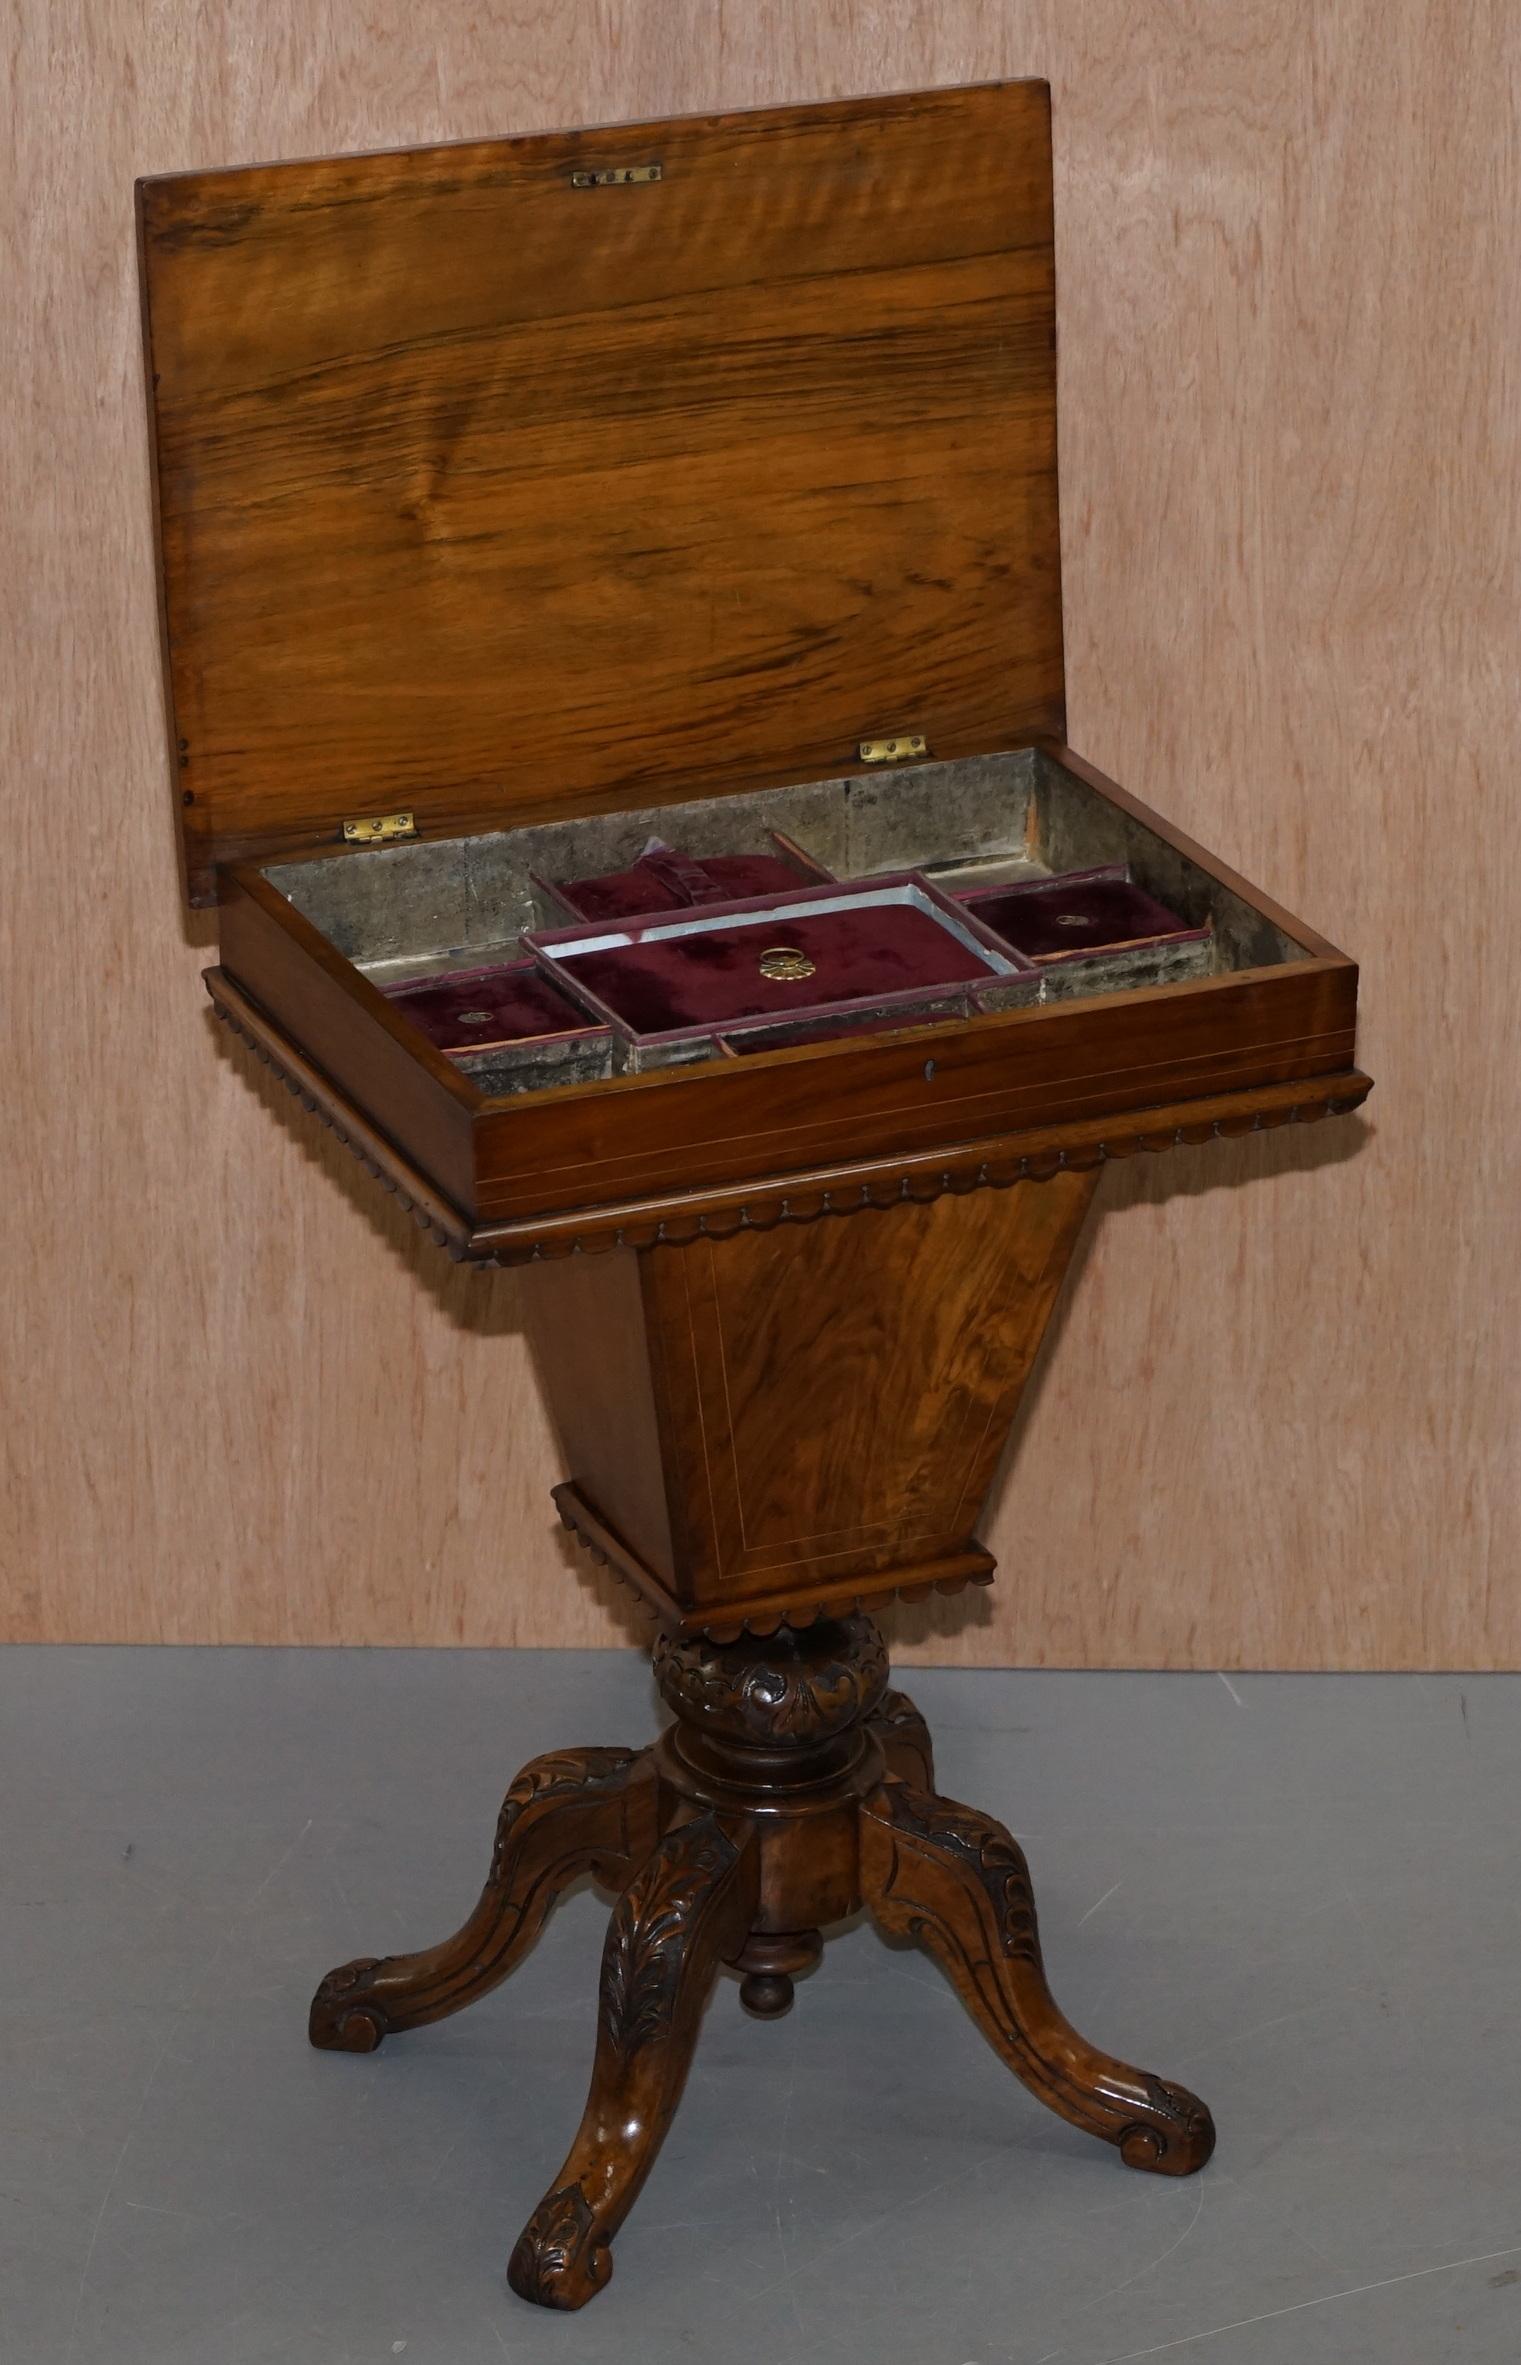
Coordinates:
(490,496)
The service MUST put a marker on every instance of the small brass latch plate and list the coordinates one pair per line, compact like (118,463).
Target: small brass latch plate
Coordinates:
(382,830)
(615,176)
(900,750)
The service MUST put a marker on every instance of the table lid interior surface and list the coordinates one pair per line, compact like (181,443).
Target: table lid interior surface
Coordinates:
(492,497)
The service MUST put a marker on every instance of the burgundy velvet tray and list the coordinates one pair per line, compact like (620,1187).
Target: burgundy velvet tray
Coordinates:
(483,1009)
(666,879)
(890,940)
(1077,914)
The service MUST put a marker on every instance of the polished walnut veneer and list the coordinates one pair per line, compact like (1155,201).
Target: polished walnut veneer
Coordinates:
(559,502)
(600,487)
(827,1403)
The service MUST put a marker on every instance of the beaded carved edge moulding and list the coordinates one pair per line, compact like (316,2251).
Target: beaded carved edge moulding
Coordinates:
(1026,1156)
(759,1614)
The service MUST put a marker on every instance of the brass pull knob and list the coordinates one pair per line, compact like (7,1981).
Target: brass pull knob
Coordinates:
(785,963)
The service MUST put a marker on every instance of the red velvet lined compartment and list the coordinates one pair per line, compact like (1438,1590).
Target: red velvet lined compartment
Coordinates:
(514,1001)
(712,977)
(1083,911)
(667,880)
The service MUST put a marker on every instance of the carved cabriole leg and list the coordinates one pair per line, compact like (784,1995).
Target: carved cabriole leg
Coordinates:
(687,1911)
(956,1881)
(905,1740)
(572,1811)
(790,1790)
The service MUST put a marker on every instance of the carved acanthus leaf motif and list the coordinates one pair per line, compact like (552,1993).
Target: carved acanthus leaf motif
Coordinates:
(905,1740)
(558,1774)
(806,1688)
(996,1860)
(552,2250)
(641,1965)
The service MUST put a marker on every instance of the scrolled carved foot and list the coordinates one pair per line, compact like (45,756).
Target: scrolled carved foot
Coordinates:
(687,1911)
(1175,2136)
(571,1811)
(342,2018)
(958,1883)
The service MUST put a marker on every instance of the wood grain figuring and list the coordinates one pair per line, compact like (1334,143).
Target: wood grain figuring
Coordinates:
(248,1402)
(800,1418)
(660,485)
(585,1321)
(837,1395)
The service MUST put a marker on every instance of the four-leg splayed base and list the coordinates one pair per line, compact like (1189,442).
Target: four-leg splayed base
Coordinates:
(793,1789)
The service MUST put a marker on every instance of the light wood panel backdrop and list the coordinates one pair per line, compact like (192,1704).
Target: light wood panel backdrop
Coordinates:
(1275,1426)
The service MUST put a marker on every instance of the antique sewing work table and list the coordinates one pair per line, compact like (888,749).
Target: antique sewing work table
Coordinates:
(612,602)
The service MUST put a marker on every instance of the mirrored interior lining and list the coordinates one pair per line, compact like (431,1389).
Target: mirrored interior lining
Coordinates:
(428,906)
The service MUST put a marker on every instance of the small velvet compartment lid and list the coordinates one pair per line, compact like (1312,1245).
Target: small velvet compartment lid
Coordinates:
(481,1009)
(1084,911)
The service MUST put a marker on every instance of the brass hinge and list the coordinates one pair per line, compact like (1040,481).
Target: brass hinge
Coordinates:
(615,176)
(382,830)
(900,750)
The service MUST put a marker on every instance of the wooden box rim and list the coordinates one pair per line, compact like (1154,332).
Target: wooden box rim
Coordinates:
(819,1127)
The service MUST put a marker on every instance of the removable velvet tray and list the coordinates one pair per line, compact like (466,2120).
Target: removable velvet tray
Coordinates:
(508,1023)
(1078,913)
(1086,930)
(893,942)
(490,1008)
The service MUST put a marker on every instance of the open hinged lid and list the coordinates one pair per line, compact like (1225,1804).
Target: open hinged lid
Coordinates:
(535,476)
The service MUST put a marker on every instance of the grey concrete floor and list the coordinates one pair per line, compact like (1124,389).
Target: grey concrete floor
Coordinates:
(1300,1895)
